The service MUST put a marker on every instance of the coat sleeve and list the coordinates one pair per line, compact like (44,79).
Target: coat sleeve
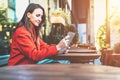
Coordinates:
(29,49)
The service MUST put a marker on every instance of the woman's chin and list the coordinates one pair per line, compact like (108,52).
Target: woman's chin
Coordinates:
(37,25)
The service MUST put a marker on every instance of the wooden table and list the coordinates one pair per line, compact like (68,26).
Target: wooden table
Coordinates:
(81,50)
(77,57)
(60,72)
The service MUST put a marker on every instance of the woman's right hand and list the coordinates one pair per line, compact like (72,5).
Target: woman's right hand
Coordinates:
(63,43)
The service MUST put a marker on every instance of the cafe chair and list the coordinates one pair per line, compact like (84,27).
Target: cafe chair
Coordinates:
(114,60)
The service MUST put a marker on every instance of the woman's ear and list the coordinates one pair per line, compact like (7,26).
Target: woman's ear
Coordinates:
(28,14)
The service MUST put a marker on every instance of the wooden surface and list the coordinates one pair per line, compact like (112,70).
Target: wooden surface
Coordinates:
(77,57)
(109,57)
(81,50)
(105,56)
(114,60)
(60,72)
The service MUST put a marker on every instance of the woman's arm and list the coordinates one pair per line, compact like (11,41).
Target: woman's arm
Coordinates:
(28,48)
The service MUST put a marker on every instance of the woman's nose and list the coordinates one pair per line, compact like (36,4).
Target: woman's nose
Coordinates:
(40,19)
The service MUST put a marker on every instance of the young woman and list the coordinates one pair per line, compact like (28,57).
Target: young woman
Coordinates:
(27,46)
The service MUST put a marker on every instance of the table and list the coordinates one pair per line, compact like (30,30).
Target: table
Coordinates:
(81,50)
(60,72)
(77,57)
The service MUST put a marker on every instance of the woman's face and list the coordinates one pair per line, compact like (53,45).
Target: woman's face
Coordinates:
(36,16)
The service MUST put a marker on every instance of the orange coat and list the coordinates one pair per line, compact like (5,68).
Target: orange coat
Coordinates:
(25,51)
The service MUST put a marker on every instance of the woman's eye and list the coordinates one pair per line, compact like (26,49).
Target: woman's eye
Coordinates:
(38,15)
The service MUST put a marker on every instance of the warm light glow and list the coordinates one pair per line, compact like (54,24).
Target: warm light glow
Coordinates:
(99,16)
(20,8)
(114,5)
(114,14)
(3,4)
(108,14)
(114,2)
(99,12)
(57,19)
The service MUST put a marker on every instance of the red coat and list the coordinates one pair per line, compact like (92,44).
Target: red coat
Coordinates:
(25,51)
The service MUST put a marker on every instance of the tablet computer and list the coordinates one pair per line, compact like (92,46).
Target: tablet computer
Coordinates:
(70,38)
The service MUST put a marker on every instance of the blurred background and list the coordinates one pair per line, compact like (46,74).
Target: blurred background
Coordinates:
(95,22)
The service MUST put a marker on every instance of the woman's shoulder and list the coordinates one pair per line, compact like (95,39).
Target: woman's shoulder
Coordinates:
(21,30)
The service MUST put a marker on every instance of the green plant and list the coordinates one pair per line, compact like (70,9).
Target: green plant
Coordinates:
(61,13)
(60,26)
(101,37)
(3,17)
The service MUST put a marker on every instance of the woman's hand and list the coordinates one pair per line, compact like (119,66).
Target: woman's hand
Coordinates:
(63,43)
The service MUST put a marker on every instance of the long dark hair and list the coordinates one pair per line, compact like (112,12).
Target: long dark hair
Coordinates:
(25,20)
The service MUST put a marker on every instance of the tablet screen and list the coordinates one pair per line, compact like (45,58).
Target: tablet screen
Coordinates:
(70,38)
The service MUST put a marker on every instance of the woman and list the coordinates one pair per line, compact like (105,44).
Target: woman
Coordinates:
(27,46)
